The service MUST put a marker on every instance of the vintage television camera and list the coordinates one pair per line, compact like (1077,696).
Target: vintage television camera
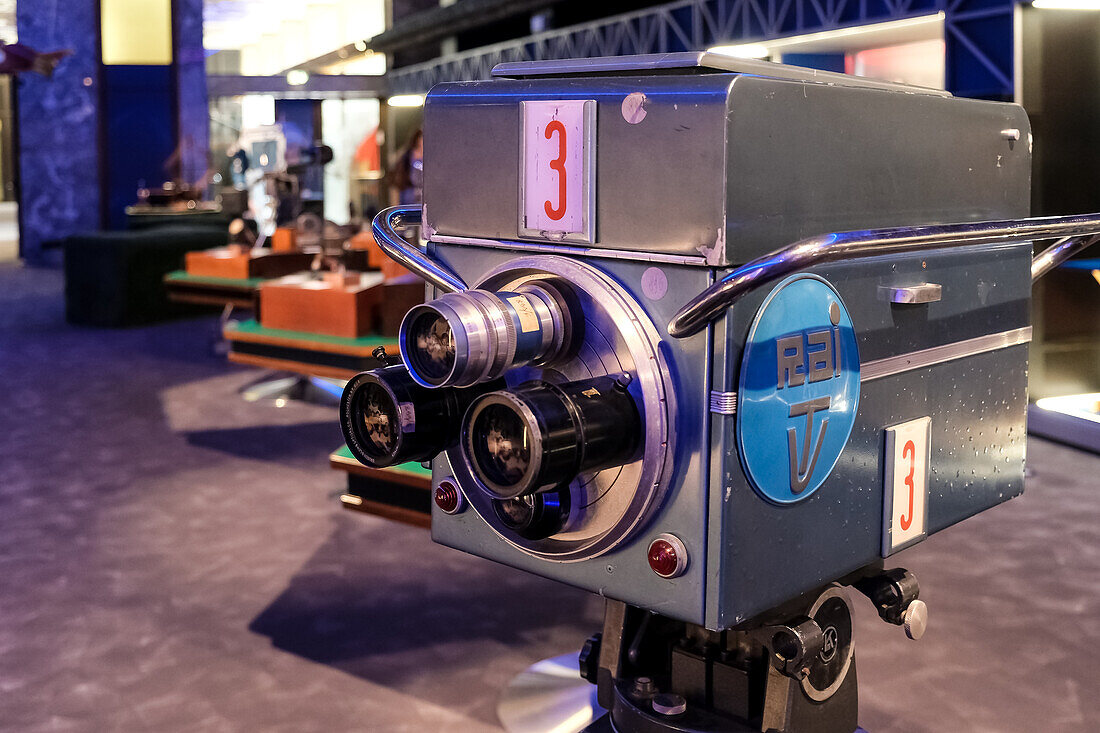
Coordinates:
(630,380)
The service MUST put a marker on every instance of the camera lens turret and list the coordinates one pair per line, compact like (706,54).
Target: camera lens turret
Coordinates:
(539,436)
(475,336)
(387,418)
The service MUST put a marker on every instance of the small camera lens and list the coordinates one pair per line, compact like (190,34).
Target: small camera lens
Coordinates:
(539,436)
(534,517)
(434,355)
(474,336)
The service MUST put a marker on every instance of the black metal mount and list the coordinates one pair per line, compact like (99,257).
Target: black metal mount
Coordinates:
(791,670)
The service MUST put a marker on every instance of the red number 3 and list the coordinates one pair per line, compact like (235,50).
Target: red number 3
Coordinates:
(557,164)
(909,451)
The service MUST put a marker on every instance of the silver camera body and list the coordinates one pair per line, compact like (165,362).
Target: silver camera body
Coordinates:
(821,422)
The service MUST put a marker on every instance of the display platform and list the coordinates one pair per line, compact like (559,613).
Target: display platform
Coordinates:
(202,290)
(1063,369)
(143,216)
(1070,419)
(401,493)
(302,353)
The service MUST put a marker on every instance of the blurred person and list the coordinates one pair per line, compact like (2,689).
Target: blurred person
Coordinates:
(407,176)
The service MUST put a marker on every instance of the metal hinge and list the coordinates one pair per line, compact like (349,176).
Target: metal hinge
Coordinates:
(723,403)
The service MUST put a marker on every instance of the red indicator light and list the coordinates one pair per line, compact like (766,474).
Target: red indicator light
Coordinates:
(667,556)
(448,498)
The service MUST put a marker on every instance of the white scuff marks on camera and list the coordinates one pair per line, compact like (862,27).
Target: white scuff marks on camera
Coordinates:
(714,254)
(634,107)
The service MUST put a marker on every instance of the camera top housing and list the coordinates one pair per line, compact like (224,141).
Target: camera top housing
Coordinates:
(596,425)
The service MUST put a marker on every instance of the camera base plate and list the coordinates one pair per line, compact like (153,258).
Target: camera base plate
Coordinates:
(549,696)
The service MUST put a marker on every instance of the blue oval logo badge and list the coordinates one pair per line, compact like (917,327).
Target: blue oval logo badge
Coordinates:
(799,389)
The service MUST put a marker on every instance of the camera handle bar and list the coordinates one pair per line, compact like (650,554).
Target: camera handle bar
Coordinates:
(1075,233)
(400,251)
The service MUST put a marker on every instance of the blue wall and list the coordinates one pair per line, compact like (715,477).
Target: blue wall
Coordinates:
(90,135)
(58,118)
(819,61)
(139,134)
(193,111)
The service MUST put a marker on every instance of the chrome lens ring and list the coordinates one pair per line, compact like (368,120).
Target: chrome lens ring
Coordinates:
(461,339)
(554,309)
(435,355)
(497,323)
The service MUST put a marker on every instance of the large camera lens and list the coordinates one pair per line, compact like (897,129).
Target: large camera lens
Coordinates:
(387,418)
(474,336)
(539,436)
(380,422)
(504,449)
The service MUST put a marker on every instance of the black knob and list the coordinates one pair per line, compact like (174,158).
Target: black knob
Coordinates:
(380,354)
(589,658)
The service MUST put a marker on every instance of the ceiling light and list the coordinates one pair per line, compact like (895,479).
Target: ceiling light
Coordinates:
(742,51)
(297,77)
(406,100)
(360,46)
(933,22)
(1066,4)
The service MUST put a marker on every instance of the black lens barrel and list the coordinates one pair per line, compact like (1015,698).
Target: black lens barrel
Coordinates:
(387,418)
(539,436)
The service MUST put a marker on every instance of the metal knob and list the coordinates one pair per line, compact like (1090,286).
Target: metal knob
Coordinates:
(915,619)
(669,704)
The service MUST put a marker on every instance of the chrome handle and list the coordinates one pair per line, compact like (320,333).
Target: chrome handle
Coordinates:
(405,254)
(1076,232)
(1058,253)
(911,294)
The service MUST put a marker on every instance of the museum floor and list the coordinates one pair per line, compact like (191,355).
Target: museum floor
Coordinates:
(173,558)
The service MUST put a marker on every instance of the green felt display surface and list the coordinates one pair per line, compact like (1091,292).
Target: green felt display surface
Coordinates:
(181,276)
(414,468)
(253,326)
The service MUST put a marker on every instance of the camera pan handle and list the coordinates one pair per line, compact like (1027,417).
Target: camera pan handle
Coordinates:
(1075,233)
(400,251)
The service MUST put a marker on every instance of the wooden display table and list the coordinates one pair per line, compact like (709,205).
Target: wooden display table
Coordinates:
(236,261)
(303,353)
(348,304)
(184,288)
(401,493)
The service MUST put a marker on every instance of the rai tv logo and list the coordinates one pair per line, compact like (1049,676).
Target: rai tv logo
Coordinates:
(798,389)
(808,357)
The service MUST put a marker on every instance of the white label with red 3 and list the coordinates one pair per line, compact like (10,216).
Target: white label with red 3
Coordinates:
(906,491)
(558,162)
